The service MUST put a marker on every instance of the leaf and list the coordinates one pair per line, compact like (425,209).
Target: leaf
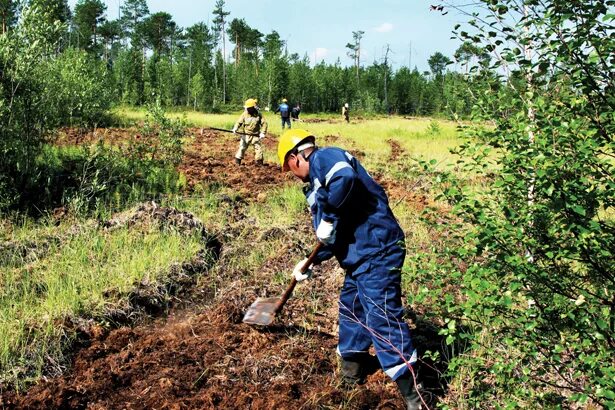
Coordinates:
(578,209)
(608,17)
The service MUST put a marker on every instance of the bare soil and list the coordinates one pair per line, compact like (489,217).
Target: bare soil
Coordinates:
(210,158)
(200,355)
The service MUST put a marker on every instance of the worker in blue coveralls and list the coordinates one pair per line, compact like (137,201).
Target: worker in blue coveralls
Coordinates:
(352,218)
(284,111)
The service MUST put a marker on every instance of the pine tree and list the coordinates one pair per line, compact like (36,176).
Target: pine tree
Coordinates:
(219,28)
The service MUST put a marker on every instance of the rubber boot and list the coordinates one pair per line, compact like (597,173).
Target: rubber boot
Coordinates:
(409,392)
(238,161)
(351,373)
(259,162)
(355,371)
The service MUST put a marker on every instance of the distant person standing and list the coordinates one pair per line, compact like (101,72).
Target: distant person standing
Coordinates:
(254,130)
(284,111)
(295,112)
(345,113)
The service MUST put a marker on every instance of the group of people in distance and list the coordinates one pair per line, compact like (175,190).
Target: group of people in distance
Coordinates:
(286,113)
(254,126)
(353,221)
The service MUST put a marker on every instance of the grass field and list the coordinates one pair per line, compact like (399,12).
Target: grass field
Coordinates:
(424,138)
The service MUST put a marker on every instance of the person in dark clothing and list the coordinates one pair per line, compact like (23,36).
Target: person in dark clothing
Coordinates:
(295,112)
(284,111)
(346,112)
(352,218)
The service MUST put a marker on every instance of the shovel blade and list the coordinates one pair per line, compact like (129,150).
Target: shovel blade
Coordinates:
(261,312)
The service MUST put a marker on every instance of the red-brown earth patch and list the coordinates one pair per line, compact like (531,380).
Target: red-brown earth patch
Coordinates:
(210,158)
(205,358)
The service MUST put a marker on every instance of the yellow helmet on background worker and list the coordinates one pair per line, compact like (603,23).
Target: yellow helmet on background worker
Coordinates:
(284,100)
(250,102)
(291,139)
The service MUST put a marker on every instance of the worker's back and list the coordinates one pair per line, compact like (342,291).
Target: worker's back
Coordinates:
(367,224)
(284,110)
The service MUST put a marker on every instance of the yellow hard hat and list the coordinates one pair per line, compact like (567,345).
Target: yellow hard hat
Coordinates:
(289,140)
(250,102)
(284,100)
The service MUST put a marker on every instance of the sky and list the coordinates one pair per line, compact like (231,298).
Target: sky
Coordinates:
(322,28)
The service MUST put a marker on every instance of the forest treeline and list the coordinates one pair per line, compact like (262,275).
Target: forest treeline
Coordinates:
(144,57)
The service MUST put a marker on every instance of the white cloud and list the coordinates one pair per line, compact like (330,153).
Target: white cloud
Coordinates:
(384,28)
(319,54)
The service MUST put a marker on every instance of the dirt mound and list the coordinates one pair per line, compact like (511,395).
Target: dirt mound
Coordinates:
(318,120)
(153,298)
(164,217)
(328,140)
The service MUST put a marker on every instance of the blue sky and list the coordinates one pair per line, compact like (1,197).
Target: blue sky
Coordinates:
(321,28)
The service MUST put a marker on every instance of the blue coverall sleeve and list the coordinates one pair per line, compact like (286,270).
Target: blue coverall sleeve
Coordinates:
(338,187)
(339,179)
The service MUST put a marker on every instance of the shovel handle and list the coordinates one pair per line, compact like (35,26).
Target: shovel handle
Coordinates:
(225,130)
(289,290)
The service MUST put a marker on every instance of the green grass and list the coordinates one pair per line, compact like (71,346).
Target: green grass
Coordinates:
(413,135)
(72,280)
(283,207)
(419,137)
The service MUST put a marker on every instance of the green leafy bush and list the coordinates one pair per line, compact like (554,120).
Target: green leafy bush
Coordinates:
(531,255)
(24,113)
(78,88)
(142,168)
(40,90)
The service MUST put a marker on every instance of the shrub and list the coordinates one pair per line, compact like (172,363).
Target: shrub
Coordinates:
(79,91)
(533,252)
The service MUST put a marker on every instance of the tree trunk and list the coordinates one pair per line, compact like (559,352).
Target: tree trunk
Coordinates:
(531,115)
(189,80)
(223,65)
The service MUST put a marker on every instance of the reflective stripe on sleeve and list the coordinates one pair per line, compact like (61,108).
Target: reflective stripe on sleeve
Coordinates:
(338,166)
(311,199)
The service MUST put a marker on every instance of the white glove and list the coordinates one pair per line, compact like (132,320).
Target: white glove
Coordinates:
(325,232)
(234,130)
(302,276)
(261,135)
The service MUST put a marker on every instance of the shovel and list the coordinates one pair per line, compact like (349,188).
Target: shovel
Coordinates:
(263,310)
(223,130)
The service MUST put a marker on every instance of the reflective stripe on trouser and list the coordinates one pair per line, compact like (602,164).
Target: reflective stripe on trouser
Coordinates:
(370,312)
(245,141)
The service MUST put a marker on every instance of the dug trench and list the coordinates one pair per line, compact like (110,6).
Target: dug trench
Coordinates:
(195,353)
